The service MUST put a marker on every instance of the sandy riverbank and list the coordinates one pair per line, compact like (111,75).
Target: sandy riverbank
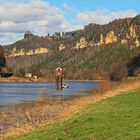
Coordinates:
(27,117)
(22,79)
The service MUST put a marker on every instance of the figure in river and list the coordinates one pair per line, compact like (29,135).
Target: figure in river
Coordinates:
(59,78)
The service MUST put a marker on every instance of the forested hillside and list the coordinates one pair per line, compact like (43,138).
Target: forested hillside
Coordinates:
(104,63)
(2,58)
(107,51)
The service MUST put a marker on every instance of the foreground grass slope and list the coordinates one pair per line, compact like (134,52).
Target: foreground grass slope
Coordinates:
(117,118)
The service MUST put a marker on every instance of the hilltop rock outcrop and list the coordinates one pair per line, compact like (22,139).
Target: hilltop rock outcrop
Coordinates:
(137,43)
(132,30)
(32,46)
(102,40)
(117,30)
(61,47)
(82,43)
(28,35)
(110,37)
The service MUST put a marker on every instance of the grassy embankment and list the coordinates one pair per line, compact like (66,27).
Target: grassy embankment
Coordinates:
(116,118)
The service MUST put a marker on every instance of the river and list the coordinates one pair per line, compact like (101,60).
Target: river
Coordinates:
(21,92)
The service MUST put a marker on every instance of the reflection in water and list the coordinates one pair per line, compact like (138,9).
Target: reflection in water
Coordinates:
(15,93)
(44,97)
(59,95)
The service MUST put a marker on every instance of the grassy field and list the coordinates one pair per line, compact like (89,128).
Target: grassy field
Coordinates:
(116,118)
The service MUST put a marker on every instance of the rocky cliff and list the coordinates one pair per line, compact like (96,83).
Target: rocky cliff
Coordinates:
(30,45)
(116,31)
(122,31)
(22,52)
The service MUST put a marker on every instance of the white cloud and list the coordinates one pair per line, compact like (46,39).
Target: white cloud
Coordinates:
(41,18)
(36,16)
(10,26)
(7,38)
(25,12)
(103,16)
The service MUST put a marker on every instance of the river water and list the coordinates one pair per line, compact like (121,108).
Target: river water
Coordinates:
(21,92)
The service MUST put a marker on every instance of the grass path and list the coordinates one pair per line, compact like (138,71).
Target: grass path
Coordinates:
(115,118)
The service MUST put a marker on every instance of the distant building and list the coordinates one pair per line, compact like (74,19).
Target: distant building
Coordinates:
(28,75)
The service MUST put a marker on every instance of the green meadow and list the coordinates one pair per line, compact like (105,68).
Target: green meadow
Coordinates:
(116,118)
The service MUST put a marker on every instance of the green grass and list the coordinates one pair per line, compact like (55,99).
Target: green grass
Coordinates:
(117,118)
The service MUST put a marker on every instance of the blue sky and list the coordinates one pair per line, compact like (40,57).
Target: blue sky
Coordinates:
(114,5)
(48,16)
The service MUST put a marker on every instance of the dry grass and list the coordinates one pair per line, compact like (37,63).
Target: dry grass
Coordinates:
(103,93)
(27,117)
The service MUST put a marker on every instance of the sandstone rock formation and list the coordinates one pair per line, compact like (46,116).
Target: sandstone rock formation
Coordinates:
(82,44)
(102,40)
(110,37)
(61,47)
(124,41)
(132,30)
(137,43)
(41,50)
(22,52)
(122,31)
